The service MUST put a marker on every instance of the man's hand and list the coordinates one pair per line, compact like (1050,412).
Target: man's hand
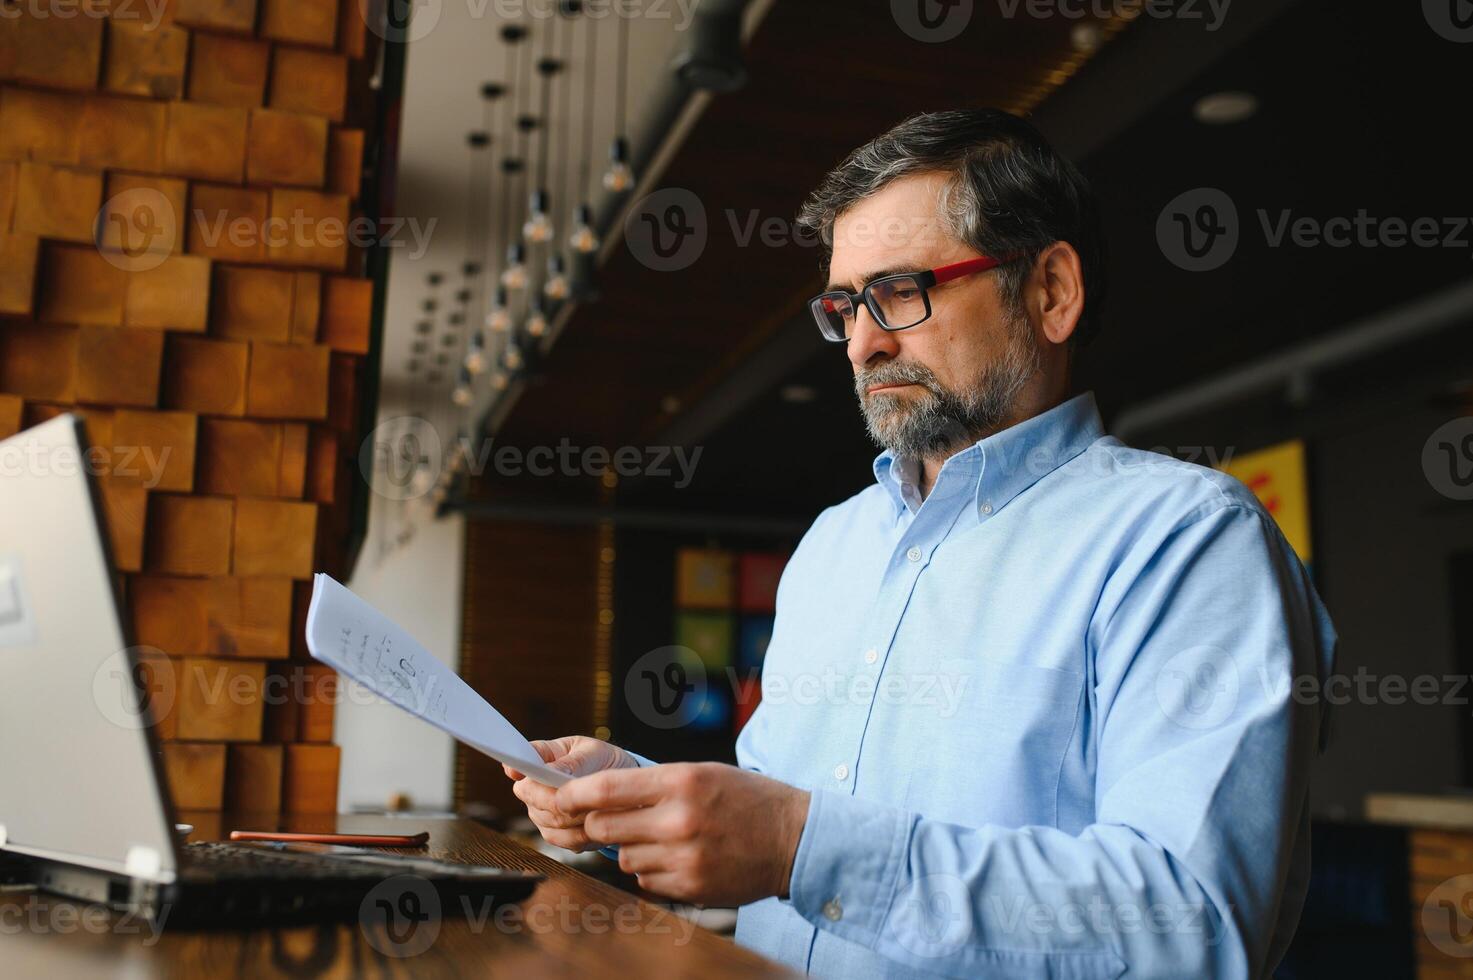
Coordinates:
(696,832)
(576,755)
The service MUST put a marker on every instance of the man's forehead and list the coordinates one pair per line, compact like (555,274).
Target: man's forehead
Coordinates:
(897,227)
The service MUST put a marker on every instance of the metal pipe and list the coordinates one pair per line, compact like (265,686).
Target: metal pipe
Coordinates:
(1296,366)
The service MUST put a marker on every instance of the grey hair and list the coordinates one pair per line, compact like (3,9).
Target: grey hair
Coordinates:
(1007,193)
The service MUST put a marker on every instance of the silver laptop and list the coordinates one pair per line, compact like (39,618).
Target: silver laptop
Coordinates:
(84,808)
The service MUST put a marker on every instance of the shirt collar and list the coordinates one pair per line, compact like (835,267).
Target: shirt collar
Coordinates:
(998,468)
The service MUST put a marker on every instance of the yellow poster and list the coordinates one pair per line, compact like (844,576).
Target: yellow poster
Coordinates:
(1278,477)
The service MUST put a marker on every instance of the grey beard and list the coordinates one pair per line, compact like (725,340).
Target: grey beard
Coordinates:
(944,421)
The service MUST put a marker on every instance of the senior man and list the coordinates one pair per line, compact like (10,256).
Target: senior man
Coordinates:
(1117,782)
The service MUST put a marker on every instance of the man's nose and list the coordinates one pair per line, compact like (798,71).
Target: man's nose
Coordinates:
(868,338)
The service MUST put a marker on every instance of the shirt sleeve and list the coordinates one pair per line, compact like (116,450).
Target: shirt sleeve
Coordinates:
(1201,784)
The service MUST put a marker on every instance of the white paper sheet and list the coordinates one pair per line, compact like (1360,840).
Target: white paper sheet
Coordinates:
(362,644)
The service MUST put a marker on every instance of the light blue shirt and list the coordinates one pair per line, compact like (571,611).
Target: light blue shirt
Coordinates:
(1047,717)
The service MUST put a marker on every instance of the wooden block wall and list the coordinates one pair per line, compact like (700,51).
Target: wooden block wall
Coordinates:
(214,358)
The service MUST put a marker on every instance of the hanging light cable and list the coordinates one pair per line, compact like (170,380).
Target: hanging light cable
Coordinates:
(619,177)
(584,239)
(475,248)
(538,228)
(514,273)
(556,287)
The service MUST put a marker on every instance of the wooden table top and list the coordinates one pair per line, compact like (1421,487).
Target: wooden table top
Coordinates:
(573,925)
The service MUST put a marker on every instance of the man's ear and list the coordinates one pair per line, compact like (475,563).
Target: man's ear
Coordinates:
(1059,291)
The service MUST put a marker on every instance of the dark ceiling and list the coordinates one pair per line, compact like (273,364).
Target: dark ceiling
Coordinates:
(1356,113)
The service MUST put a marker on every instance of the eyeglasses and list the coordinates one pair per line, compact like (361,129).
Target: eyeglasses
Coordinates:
(896,302)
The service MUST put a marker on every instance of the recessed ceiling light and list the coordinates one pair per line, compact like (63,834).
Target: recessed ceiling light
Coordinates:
(1221,108)
(798,394)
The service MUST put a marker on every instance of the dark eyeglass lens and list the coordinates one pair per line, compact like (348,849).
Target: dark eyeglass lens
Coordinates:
(834,314)
(901,300)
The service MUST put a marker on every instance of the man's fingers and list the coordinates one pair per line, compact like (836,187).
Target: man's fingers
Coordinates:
(571,840)
(534,794)
(512,773)
(662,823)
(612,789)
(641,859)
(552,818)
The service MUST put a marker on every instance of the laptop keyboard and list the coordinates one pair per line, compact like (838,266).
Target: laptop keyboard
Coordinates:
(220,860)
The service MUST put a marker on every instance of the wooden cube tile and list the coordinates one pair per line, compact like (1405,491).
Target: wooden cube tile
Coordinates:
(56,202)
(228,70)
(251,618)
(280,723)
(347,314)
(19,257)
(97,425)
(10,415)
(306,307)
(225,15)
(154,449)
(253,775)
(9,175)
(38,125)
(145,59)
(173,295)
(205,141)
(171,613)
(323,465)
(196,774)
(310,783)
(217,617)
(286,148)
(274,537)
(288,381)
(189,535)
(352,31)
(252,303)
(206,376)
(300,21)
(240,458)
(39,361)
(321,689)
(228,223)
(343,392)
(79,285)
(293,470)
(55,51)
(345,162)
(314,82)
(125,516)
(220,700)
(309,228)
(117,366)
(122,133)
(142,217)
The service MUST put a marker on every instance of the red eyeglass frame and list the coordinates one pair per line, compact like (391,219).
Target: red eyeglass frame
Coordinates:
(824,302)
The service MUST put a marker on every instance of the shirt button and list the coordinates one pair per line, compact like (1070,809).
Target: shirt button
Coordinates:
(870,656)
(832,910)
(986,508)
(841,772)
(914,554)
